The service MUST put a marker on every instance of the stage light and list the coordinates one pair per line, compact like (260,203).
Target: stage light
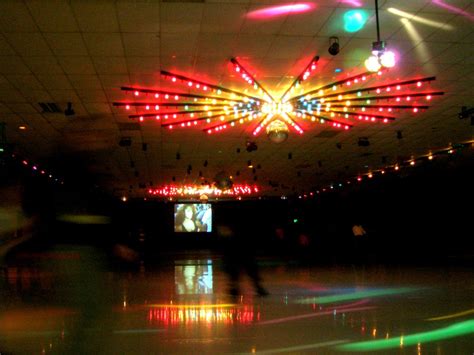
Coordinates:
(380,56)
(333,46)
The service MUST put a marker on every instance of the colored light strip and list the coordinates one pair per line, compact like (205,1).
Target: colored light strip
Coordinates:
(313,64)
(204,84)
(394,86)
(171,94)
(388,97)
(362,76)
(262,124)
(292,123)
(355,295)
(378,117)
(245,74)
(203,190)
(336,123)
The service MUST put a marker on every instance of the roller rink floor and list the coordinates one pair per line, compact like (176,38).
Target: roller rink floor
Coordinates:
(67,300)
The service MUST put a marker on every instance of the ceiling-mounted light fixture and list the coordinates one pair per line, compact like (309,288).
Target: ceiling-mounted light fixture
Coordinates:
(333,46)
(380,56)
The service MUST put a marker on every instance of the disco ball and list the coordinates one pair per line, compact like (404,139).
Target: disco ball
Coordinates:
(277,131)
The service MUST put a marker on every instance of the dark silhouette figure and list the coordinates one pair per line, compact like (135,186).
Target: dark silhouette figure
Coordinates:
(239,258)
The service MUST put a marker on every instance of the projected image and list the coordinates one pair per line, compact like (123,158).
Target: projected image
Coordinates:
(192,217)
(193,278)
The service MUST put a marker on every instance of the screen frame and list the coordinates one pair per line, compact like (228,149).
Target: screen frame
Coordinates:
(179,225)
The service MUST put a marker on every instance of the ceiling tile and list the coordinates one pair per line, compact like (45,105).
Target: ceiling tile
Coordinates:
(66,44)
(16,17)
(96,16)
(55,81)
(77,64)
(215,19)
(143,65)
(306,24)
(25,82)
(175,46)
(141,44)
(181,18)
(114,80)
(90,82)
(22,108)
(91,95)
(53,16)
(135,16)
(110,65)
(29,44)
(104,44)
(43,65)
(13,65)
(5,48)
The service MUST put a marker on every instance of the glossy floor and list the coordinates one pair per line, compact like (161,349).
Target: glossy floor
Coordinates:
(67,301)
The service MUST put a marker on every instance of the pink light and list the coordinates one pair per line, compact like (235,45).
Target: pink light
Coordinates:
(275,11)
(454,9)
(354,3)
(127,107)
(136,93)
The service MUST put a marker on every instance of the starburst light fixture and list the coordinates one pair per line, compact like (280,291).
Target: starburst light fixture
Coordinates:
(338,104)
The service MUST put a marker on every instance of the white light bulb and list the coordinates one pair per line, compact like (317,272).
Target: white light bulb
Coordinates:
(372,64)
(388,59)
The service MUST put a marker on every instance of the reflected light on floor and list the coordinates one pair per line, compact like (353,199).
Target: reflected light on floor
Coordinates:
(455,330)
(355,295)
(210,314)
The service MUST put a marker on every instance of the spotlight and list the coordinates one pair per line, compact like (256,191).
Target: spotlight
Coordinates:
(333,46)
(380,56)
(69,111)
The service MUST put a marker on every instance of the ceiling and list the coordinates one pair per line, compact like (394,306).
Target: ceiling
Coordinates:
(83,52)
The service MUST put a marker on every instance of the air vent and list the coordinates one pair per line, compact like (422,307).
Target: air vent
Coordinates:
(128,126)
(329,133)
(49,107)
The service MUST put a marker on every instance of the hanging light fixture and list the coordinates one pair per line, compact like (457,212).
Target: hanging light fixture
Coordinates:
(380,56)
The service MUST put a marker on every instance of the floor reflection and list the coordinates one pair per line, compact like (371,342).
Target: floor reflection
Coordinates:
(65,301)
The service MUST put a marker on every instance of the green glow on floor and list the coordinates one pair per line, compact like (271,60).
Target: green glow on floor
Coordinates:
(452,331)
(356,295)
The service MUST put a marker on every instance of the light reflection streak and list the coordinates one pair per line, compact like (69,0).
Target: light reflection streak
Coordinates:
(454,315)
(420,47)
(175,315)
(355,295)
(312,315)
(303,347)
(280,10)
(454,330)
(454,9)
(420,19)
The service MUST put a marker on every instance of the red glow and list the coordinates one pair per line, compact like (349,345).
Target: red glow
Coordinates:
(281,10)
